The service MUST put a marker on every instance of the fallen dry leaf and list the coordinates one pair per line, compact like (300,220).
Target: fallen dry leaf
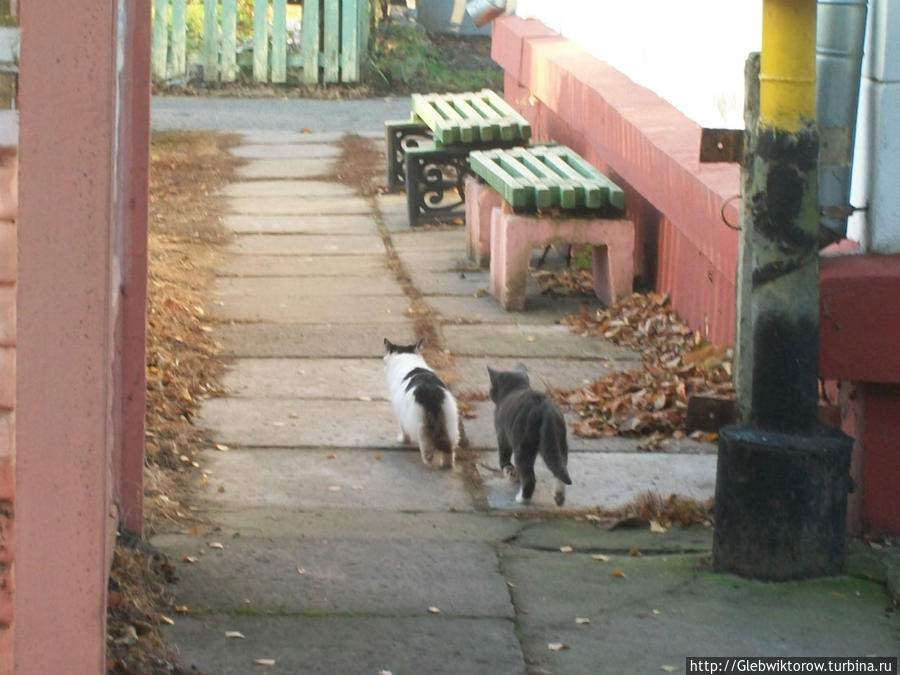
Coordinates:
(601,557)
(434,610)
(582,621)
(565,549)
(182,609)
(264,662)
(216,544)
(378,457)
(221,447)
(656,612)
(334,488)
(634,553)
(619,574)
(331,455)
(668,669)
(557,646)
(656,527)
(236,634)
(189,559)
(301,571)
(166,620)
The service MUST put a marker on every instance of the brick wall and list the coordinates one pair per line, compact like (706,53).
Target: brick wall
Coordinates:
(8,208)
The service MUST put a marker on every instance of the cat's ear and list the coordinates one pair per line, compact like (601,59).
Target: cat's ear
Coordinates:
(492,374)
(522,368)
(419,345)
(388,345)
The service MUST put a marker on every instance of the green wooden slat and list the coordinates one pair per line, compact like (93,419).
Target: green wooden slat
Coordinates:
(350,40)
(616,194)
(514,191)
(279,41)
(567,193)
(507,111)
(596,192)
(160,45)
(179,39)
(507,127)
(484,130)
(464,129)
(310,35)
(210,41)
(331,68)
(260,40)
(489,114)
(543,196)
(229,40)
(444,132)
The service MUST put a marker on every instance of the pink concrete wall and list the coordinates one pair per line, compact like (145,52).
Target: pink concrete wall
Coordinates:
(8,208)
(84,121)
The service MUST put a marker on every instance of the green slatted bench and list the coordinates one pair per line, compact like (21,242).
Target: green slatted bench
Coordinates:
(427,155)
(529,197)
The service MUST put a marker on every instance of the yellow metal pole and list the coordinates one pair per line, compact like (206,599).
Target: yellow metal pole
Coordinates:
(787,79)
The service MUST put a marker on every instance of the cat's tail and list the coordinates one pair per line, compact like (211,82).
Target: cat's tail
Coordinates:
(552,445)
(435,423)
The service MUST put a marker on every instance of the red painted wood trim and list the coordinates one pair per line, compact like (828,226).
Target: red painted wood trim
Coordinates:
(860,318)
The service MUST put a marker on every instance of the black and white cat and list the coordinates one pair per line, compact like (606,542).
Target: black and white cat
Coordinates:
(528,424)
(425,408)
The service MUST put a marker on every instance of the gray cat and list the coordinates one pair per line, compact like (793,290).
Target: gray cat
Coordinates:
(528,424)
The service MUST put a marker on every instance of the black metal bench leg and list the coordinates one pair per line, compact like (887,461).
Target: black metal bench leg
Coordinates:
(398,136)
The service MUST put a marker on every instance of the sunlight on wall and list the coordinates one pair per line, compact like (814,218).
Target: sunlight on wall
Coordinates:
(690,53)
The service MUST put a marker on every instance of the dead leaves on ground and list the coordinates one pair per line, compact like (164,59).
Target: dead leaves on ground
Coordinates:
(677,363)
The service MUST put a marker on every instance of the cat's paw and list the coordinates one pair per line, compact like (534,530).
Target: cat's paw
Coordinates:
(520,499)
(510,472)
(402,438)
(559,498)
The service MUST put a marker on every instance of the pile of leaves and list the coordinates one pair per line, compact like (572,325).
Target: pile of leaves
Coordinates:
(677,363)
(568,282)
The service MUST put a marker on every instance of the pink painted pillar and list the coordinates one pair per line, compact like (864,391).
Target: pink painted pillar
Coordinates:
(65,349)
(8,208)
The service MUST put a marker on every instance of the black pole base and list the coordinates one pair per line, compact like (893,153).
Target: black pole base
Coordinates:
(781,503)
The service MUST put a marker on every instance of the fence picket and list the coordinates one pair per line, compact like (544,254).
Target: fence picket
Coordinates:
(179,39)
(310,35)
(210,41)
(349,41)
(160,45)
(279,41)
(229,40)
(260,40)
(331,70)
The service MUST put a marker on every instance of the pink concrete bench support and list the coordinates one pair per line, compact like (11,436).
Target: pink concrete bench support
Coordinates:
(514,237)
(481,199)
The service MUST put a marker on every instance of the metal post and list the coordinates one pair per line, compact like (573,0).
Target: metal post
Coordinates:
(782,480)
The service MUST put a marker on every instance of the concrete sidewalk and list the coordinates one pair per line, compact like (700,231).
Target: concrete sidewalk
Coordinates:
(331,549)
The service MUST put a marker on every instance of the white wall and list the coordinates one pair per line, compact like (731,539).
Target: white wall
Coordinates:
(690,52)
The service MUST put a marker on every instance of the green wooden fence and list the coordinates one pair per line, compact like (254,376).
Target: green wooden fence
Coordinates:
(334,37)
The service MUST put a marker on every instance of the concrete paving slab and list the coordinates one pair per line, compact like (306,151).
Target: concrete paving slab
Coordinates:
(530,341)
(396,221)
(340,644)
(539,309)
(319,309)
(340,576)
(472,375)
(250,265)
(438,261)
(316,224)
(310,423)
(287,188)
(297,206)
(430,282)
(287,150)
(365,524)
(665,609)
(305,480)
(310,340)
(307,378)
(584,537)
(609,479)
(407,243)
(306,244)
(286,168)
(280,289)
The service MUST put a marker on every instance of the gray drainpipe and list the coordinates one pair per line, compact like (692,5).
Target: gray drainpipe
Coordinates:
(840,32)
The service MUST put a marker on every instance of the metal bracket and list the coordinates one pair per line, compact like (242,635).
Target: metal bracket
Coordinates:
(721,145)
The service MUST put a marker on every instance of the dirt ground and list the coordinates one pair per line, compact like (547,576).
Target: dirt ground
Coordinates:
(184,366)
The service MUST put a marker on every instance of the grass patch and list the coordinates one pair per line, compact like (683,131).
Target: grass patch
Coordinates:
(404,59)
